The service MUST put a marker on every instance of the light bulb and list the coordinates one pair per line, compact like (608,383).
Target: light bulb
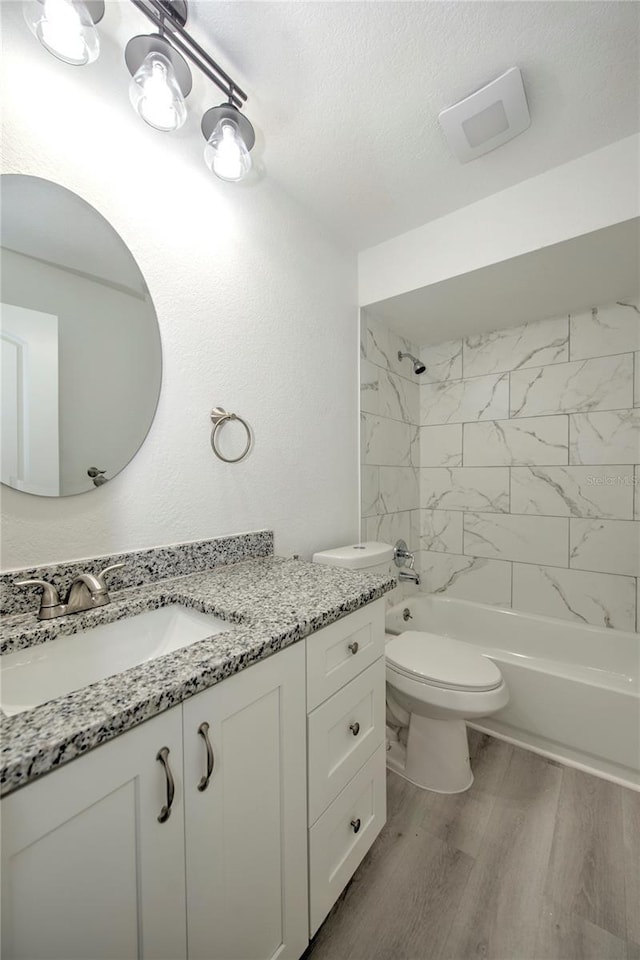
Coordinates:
(226,153)
(64,28)
(155,93)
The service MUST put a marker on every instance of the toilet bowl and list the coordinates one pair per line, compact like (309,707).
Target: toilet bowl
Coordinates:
(434,684)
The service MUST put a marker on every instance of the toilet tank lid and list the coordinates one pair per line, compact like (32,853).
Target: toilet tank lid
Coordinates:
(356,556)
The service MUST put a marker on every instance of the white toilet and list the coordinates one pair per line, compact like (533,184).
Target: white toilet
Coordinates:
(434,684)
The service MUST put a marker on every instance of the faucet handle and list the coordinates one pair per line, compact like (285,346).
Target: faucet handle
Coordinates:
(49,599)
(103,573)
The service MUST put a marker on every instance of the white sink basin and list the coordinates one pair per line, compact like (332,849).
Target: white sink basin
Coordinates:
(48,670)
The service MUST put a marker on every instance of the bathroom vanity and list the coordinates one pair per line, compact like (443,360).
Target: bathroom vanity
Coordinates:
(228,823)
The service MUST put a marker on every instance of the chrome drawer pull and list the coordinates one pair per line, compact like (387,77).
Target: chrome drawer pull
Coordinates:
(353,646)
(163,757)
(355,824)
(203,730)
(355,728)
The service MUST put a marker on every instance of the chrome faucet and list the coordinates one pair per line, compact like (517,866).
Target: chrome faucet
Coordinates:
(404,558)
(85,593)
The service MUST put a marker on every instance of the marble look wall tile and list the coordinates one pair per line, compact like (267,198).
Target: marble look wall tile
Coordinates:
(465,488)
(439,530)
(531,344)
(573,491)
(403,368)
(605,383)
(375,338)
(398,398)
(636,382)
(390,527)
(636,484)
(398,489)
(443,361)
(441,446)
(605,330)
(370,491)
(608,546)
(369,387)
(528,440)
(605,437)
(543,540)
(414,445)
(597,598)
(468,578)
(456,401)
(386,442)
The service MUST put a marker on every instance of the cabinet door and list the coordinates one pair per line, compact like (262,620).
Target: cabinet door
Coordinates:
(246,831)
(88,871)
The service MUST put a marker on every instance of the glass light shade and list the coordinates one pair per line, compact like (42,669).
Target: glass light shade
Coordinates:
(226,153)
(156,95)
(65,29)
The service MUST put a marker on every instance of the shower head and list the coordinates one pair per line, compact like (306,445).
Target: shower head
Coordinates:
(418,365)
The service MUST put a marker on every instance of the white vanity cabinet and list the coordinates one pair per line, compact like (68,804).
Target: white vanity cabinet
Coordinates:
(346,751)
(89,872)
(246,828)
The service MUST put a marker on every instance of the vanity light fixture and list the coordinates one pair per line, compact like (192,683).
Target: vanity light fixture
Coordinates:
(161,76)
(66,28)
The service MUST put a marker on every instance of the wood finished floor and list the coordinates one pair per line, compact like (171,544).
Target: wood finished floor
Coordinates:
(535,862)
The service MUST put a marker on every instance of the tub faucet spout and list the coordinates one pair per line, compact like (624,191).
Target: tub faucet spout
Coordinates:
(410,574)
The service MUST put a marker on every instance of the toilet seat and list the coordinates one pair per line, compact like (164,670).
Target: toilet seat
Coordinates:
(441,662)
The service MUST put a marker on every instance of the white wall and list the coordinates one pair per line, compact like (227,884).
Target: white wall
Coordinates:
(257,312)
(592,192)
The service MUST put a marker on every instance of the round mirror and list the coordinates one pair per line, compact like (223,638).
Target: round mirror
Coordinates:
(79,342)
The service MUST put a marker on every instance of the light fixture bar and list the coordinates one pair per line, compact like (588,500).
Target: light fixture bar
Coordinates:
(161,15)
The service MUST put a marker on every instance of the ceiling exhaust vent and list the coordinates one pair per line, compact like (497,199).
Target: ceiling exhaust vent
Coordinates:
(487,118)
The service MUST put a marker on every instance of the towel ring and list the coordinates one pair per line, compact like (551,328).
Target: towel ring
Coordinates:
(220,416)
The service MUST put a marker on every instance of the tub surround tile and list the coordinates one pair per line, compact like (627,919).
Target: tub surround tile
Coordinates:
(269,602)
(605,330)
(528,440)
(380,345)
(468,578)
(465,488)
(636,485)
(636,388)
(604,437)
(601,599)
(600,491)
(441,446)
(608,546)
(531,344)
(605,383)
(456,401)
(390,527)
(398,489)
(140,566)
(398,398)
(386,442)
(443,362)
(543,540)
(439,530)
(370,491)
(369,388)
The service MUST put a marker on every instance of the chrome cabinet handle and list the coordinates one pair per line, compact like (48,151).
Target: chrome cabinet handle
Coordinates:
(355,728)
(354,647)
(355,825)
(203,730)
(163,757)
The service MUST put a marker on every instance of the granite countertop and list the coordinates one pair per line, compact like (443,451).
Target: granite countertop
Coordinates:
(269,602)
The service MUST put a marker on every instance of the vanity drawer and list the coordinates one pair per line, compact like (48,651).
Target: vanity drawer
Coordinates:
(338,653)
(343,732)
(335,848)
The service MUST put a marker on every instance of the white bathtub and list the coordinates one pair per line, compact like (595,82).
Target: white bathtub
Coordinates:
(575,690)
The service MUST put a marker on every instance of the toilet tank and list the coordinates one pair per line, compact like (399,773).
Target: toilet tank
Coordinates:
(370,557)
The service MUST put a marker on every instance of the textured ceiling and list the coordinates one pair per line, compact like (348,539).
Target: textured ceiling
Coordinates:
(345,95)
